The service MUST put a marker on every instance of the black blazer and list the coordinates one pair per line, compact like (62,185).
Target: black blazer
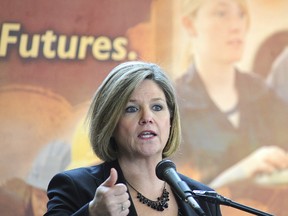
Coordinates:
(71,191)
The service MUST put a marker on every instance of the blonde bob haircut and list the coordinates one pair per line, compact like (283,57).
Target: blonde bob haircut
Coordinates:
(111,99)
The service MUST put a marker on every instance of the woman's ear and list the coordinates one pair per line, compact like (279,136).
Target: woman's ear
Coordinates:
(189,25)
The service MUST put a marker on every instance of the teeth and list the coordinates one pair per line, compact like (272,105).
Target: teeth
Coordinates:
(146,135)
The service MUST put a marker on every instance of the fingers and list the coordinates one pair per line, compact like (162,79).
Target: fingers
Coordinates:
(110,198)
(110,188)
(124,207)
(112,179)
(277,158)
(268,159)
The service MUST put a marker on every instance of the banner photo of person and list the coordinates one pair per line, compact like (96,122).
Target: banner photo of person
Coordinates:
(227,60)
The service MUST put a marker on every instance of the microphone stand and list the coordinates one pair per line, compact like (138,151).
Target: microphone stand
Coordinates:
(212,196)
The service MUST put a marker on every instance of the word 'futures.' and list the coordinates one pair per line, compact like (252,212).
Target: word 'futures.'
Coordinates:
(52,46)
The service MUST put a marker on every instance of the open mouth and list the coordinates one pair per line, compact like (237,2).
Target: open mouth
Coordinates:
(147,134)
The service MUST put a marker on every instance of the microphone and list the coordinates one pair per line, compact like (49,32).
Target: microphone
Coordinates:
(166,171)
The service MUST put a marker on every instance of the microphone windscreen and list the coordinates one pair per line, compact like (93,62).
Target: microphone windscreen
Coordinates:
(162,166)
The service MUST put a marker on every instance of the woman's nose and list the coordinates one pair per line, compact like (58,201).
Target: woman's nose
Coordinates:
(146,117)
(238,23)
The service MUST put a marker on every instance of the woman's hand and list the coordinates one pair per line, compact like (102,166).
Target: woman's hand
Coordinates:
(265,160)
(110,198)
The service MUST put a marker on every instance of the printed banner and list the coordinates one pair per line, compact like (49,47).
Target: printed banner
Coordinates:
(55,54)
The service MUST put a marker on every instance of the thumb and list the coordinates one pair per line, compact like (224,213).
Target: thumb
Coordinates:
(112,179)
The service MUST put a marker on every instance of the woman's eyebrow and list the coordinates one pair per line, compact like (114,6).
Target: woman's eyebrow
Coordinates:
(153,99)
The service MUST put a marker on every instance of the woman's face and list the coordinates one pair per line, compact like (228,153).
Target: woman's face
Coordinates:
(218,30)
(143,129)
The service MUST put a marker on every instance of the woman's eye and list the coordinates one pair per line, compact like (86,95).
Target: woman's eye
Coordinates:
(157,107)
(220,13)
(131,109)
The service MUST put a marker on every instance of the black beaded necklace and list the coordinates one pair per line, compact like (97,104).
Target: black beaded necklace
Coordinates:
(159,205)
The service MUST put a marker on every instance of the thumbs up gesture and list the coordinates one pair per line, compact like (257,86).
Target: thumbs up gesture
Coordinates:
(110,198)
